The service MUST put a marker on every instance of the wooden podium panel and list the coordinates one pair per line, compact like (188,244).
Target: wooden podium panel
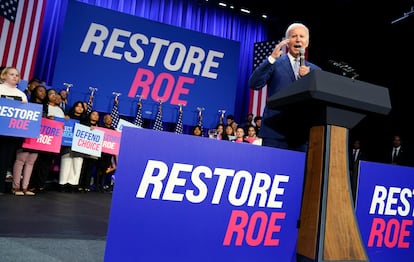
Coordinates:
(328,227)
(340,215)
(309,216)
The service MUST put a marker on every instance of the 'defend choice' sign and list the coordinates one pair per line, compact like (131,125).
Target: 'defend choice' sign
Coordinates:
(385,211)
(119,53)
(187,198)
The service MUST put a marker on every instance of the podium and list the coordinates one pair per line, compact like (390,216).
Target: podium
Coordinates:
(328,105)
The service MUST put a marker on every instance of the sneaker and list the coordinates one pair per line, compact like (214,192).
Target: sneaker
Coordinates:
(18,193)
(28,193)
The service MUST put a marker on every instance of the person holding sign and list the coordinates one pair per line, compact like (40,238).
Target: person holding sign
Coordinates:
(25,158)
(71,161)
(54,110)
(45,159)
(89,162)
(104,162)
(10,77)
(31,85)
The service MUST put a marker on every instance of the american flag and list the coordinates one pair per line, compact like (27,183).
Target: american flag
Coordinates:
(20,30)
(179,126)
(200,123)
(89,105)
(115,115)
(138,117)
(258,97)
(200,118)
(158,119)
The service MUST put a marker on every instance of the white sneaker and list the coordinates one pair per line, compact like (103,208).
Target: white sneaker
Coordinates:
(18,193)
(28,193)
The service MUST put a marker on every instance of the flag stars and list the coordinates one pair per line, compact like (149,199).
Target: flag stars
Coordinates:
(8,9)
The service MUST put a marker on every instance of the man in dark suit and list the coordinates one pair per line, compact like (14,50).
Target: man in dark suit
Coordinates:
(399,154)
(277,72)
(356,154)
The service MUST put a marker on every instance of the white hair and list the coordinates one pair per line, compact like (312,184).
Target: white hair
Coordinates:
(294,25)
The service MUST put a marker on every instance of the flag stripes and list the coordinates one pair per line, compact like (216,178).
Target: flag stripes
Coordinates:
(258,98)
(20,39)
(258,101)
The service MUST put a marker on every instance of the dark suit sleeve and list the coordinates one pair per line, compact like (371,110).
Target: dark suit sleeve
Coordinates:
(404,157)
(261,75)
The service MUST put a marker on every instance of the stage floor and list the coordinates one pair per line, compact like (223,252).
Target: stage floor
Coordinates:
(54,226)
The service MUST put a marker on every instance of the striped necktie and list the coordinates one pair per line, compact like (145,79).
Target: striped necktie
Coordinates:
(395,155)
(296,67)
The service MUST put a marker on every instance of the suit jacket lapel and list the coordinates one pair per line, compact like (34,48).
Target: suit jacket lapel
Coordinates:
(287,67)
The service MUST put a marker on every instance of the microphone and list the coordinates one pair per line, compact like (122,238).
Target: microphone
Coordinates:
(343,68)
(302,56)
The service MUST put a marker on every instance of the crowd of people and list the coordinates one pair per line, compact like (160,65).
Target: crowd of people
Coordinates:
(29,170)
(247,132)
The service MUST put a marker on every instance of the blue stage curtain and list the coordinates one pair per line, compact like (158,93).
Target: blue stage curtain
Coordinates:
(191,14)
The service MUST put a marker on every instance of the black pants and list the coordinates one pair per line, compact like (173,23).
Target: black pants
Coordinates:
(8,148)
(41,170)
(88,166)
(102,165)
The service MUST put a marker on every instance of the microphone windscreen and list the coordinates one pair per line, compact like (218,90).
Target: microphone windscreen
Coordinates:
(302,56)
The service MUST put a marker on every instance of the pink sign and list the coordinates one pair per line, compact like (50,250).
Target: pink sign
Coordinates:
(112,139)
(50,137)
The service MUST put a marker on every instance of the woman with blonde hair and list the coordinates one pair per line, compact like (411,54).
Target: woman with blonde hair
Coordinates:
(10,77)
